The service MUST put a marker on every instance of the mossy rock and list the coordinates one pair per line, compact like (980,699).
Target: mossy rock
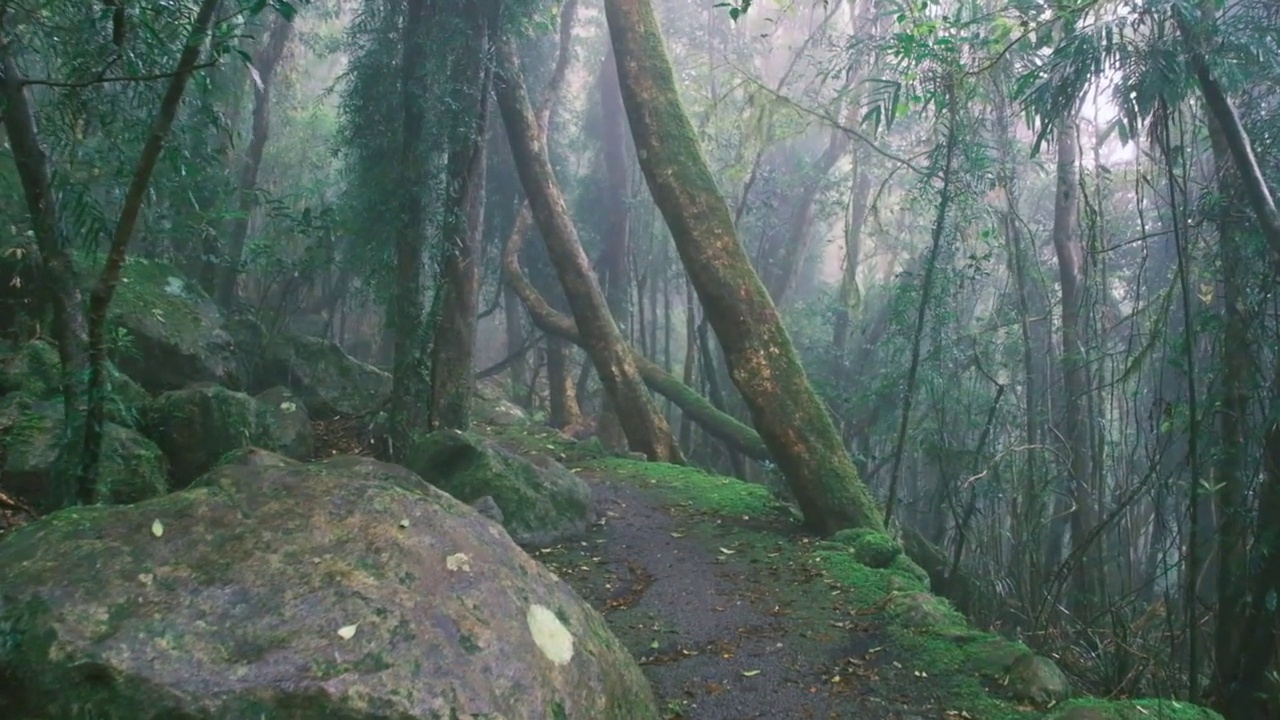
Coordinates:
(330,382)
(175,334)
(347,589)
(133,468)
(32,368)
(290,423)
(1037,679)
(35,370)
(542,504)
(197,426)
(870,547)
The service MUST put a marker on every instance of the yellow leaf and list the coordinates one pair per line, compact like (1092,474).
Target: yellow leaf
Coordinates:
(727,551)
(157,528)
(348,631)
(750,673)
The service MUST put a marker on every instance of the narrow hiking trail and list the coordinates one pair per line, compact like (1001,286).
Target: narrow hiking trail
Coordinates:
(723,621)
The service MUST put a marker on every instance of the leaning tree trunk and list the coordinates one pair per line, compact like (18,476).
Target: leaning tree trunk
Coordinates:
(647,431)
(557,325)
(109,278)
(762,362)
(454,333)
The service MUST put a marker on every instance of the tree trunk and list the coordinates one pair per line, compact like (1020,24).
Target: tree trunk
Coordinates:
(454,333)
(265,61)
(646,429)
(1066,244)
(70,326)
(104,289)
(616,245)
(561,327)
(762,362)
(513,322)
(408,381)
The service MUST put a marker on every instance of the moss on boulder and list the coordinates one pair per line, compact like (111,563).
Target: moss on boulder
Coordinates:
(870,547)
(32,434)
(291,426)
(198,425)
(346,589)
(542,503)
(175,333)
(32,368)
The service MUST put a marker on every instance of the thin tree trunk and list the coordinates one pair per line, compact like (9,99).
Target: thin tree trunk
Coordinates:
(646,429)
(70,327)
(614,231)
(265,61)
(762,362)
(104,289)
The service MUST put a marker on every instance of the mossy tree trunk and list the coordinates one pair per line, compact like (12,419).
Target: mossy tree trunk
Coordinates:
(408,381)
(647,431)
(104,289)
(61,286)
(762,362)
(454,332)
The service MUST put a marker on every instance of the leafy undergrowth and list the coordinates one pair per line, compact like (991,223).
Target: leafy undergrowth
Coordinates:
(913,640)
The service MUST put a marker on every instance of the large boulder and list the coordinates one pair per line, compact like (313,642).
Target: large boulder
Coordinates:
(346,589)
(196,426)
(175,333)
(330,382)
(541,504)
(32,434)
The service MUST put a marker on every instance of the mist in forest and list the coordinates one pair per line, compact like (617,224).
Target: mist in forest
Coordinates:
(1024,252)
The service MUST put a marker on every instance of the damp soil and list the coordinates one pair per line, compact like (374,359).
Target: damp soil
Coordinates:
(725,624)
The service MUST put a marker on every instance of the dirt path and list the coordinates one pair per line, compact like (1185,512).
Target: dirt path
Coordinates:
(726,629)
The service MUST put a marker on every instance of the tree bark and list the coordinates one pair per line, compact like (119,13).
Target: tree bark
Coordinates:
(265,61)
(104,289)
(646,429)
(1066,244)
(61,285)
(454,334)
(614,231)
(762,362)
(408,381)
(559,326)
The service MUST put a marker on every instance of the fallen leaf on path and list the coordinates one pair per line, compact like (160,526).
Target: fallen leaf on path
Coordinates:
(750,673)
(157,528)
(347,632)
(727,551)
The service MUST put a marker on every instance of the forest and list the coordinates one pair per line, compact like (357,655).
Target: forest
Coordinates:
(993,277)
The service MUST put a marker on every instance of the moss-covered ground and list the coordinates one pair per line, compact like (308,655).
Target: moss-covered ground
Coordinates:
(872,654)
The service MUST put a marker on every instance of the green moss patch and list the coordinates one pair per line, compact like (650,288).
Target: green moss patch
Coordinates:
(964,671)
(692,489)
